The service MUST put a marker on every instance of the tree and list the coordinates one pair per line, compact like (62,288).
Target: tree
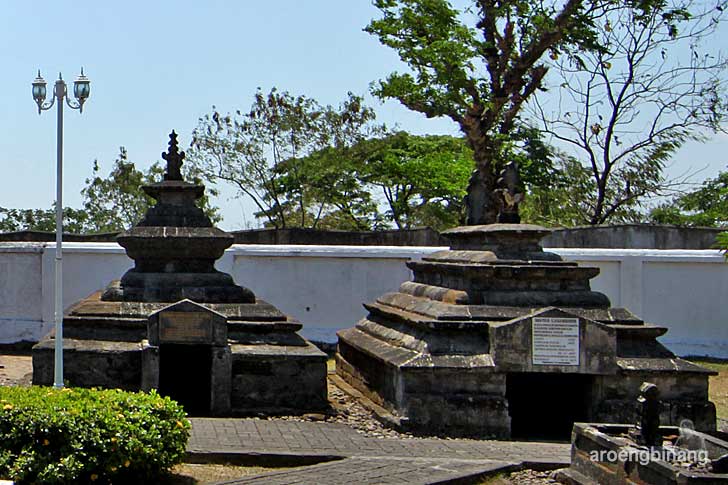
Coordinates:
(422,179)
(327,187)
(401,179)
(398,179)
(117,202)
(246,150)
(111,204)
(74,221)
(624,110)
(480,76)
(703,207)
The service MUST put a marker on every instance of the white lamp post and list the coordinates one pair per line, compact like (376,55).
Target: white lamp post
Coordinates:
(81,91)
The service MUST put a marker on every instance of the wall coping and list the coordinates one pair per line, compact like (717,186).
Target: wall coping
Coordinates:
(22,247)
(87,247)
(672,255)
(380,252)
(288,250)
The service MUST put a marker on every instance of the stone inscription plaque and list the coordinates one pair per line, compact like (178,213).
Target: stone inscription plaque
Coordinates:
(555,341)
(185,327)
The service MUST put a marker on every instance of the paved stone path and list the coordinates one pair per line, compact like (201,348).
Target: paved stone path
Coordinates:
(364,460)
(349,457)
(379,471)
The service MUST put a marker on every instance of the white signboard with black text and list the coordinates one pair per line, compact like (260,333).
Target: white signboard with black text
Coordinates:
(555,341)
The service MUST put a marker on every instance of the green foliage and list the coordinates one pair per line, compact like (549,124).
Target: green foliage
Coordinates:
(703,207)
(88,436)
(323,190)
(564,201)
(479,66)
(422,178)
(276,154)
(116,202)
(111,204)
(74,220)
(399,179)
(721,242)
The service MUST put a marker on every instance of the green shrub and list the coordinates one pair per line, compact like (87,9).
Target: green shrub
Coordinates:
(88,435)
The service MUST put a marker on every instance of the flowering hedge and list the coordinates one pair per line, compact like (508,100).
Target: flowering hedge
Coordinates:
(77,435)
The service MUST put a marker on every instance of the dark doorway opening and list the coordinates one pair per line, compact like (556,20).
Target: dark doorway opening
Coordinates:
(545,406)
(185,376)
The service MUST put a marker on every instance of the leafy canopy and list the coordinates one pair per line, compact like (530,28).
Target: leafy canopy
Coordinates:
(110,204)
(248,150)
(706,206)
(478,66)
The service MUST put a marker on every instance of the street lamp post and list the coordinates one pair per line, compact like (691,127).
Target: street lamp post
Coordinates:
(81,91)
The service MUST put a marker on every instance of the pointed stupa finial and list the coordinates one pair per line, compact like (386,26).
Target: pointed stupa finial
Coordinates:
(174,159)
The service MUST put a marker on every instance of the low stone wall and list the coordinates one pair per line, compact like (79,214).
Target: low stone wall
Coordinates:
(324,286)
(633,236)
(424,236)
(624,236)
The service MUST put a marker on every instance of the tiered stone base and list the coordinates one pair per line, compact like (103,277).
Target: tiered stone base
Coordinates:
(273,369)
(453,350)
(451,395)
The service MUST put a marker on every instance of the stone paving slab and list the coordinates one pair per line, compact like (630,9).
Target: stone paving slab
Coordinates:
(231,437)
(362,470)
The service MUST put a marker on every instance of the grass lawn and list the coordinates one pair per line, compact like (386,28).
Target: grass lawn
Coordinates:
(718,384)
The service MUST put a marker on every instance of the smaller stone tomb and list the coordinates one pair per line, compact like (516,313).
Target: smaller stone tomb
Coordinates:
(187,357)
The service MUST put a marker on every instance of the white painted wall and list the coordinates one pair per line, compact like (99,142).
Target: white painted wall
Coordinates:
(325,286)
(21,295)
(683,290)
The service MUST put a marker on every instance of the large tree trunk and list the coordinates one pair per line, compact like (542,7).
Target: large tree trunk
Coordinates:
(481,201)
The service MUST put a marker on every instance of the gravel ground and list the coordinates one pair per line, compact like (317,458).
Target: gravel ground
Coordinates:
(346,410)
(530,477)
(15,369)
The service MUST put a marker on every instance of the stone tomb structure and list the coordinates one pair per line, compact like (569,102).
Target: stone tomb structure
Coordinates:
(497,337)
(175,323)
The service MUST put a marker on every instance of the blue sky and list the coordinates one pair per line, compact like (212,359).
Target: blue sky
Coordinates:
(160,65)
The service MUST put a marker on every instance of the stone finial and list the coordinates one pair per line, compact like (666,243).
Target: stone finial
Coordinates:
(510,192)
(174,159)
(648,411)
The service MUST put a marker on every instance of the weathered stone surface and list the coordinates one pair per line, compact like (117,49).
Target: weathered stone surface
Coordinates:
(506,241)
(456,348)
(600,453)
(175,323)
(512,347)
(277,379)
(90,363)
(113,344)
(187,322)
(174,248)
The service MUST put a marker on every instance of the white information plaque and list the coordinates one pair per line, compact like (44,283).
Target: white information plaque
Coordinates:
(555,341)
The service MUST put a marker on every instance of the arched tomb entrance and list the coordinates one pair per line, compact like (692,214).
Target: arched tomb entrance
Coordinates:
(187,358)
(546,406)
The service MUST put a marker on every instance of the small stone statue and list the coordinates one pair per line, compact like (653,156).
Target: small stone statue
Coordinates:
(174,159)
(510,193)
(477,200)
(648,410)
